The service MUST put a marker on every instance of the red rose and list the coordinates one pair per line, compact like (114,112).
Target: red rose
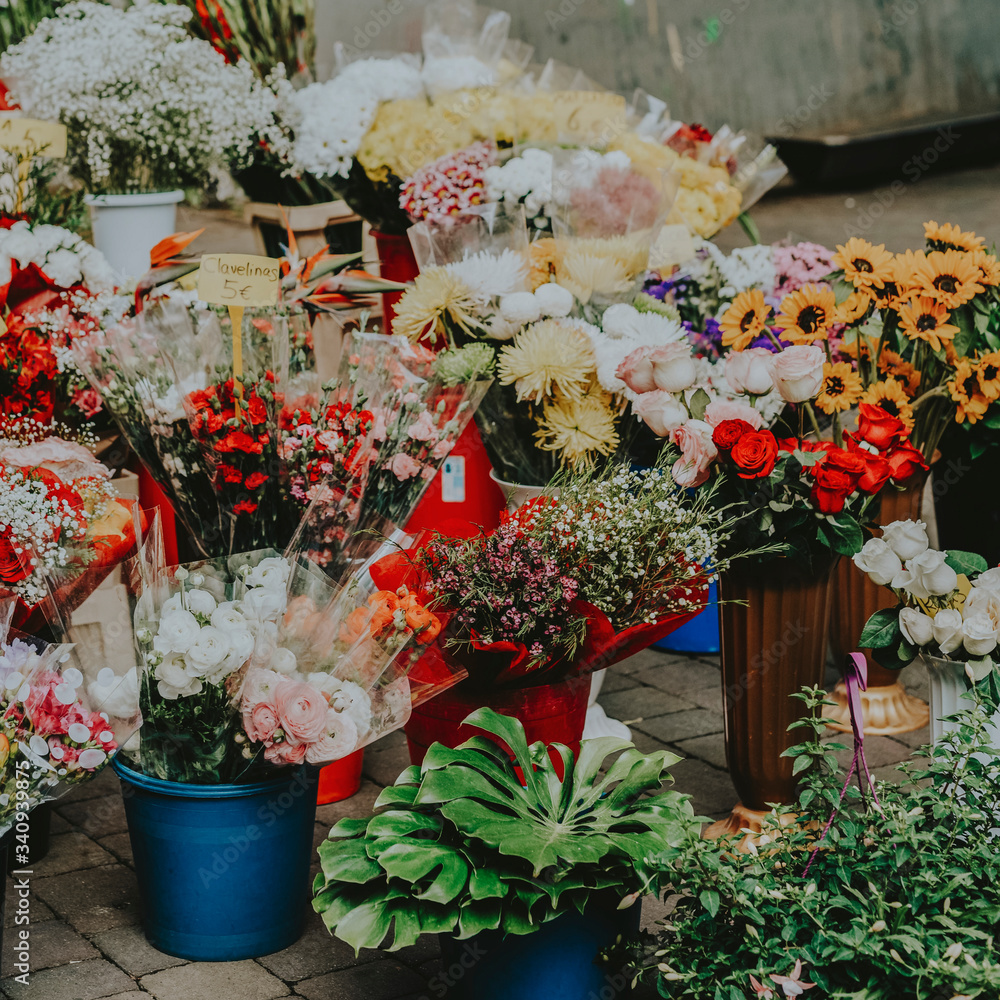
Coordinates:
(835,479)
(794,444)
(12,568)
(754,454)
(728,432)
(879,428)
(905,461)
(255,479)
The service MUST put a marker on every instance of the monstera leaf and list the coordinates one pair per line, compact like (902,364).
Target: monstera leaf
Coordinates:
(481,839)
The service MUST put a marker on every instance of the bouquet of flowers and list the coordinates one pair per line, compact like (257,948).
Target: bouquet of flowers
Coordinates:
(571,582)
(148,108)
(949,602)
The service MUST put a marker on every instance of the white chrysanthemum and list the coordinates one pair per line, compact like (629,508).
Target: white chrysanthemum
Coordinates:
(554,300)
(490,275)
(520,308)
(625,321)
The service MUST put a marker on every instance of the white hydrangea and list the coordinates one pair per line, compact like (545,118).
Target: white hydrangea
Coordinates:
(60,254)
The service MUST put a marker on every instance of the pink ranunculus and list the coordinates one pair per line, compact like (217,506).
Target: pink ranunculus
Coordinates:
(301,711)
(750,371)
(286,753)
(442,449)
(403,467)
(636,371)
(340,740)
(260,721)
(732,409)
(661,410)
(798,373)
(694,439)
(673,367)
(423,428)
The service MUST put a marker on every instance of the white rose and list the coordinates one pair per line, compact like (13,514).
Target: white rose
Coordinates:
(271,572)
(979,635)
(661,411)
(907,539)
(673,367)
(176,632)
(982,602)
(118,696)
(201,602)
(749,371)
(990,580)
(520,308)
(878,561)
(264,604)
(927,575)
(554,300)
(916,627)
(797,373)
(948,629)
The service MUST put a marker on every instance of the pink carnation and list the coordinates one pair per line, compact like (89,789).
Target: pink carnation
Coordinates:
(403,467)
(449,186)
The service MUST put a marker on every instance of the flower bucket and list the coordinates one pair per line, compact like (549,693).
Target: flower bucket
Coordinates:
(552,713)
(341,779)
(701,634)
(518,494)
(948,685)
(128,226)
(559,961)
(223,870)
(396,263)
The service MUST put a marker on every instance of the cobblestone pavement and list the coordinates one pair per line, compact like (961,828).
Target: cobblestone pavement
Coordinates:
(87,944)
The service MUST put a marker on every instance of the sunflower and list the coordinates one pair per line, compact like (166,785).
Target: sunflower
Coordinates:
(864,265)
(854,306)
(547,356)
(988,374)
(949,277)
(438,298)
(578,428)
(841,388)
(989,268)
(544,259)
(806,314)
(902,371)
(744,320)
(967,393)
(950,237)
(891,397)
(925,319)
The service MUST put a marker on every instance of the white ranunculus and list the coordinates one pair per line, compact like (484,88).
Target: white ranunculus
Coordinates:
(948,629)
(201,602)
(979,635)
(208,652)
(271,572)
(175,603)
(118,696)
(226,617)
(173,680)
(926,575)
(176,632)
(283,661)
(264,604)
(878,560)
(916,627)
(908,539)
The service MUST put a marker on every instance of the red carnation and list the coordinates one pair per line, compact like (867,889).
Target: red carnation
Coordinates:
(878,427)
(728,432)
(755,454)
(240,441)
(255,479)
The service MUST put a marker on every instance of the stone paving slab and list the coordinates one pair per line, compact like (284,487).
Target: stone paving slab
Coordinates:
(128,948)
(91,980)
(213,981)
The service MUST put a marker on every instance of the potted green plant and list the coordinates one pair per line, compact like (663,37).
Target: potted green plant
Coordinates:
(900,901)
(531,879)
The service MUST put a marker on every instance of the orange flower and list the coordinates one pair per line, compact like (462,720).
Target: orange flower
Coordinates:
(841,388)
(744,320)
(806,315)
(948,277)
(988,374)
(891,397)
(544,259)
(989,268)
(864,265)
(925,319)
(902,371)
(951,237)
(854,306)
(966,392)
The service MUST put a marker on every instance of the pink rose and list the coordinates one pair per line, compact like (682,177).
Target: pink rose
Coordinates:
(260,721)
(731,409)
(403,467)
(798,373)
(341,739)
(750,371)
(88,402)
(423,428)
(301,711)
(661,411)
(636,371)
(286,753)
(673,367)
(694,439)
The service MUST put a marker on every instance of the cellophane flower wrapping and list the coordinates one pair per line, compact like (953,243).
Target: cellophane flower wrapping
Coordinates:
(61,724)
(463,45)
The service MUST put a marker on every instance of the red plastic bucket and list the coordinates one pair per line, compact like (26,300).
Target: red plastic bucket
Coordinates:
(341,779)
(396,263)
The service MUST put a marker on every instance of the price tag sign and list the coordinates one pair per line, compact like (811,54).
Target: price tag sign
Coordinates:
(588,115)
(30,135)
(238,280)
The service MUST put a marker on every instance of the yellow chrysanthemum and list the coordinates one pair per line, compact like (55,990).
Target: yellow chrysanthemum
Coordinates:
(950,277)
(578,428)
(891,397)
(544,258)
(806,315)
(546,357)
(988,374)
(967,393)
(438,297)
(599,266)
(744,320)
(841,388)
(951,237)
(925,319)
(864,265)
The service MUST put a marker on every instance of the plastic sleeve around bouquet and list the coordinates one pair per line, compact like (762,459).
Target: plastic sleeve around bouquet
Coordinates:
(463,45)
(486,230)
(59,728)
(753,164)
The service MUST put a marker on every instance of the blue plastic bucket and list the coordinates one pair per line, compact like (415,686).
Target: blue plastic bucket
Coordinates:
(701,634)
(223,870)
(556,962)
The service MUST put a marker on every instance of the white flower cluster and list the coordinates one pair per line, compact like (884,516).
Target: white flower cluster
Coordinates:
(330,119)
(200,640)
(903,560)
(61,255)
(147,106)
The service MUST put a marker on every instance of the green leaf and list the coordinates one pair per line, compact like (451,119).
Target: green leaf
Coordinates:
(699,403)
(881,630)
(842,534)
(709,898)
(365,926)
(966,562)
(347,862)
(413,862)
